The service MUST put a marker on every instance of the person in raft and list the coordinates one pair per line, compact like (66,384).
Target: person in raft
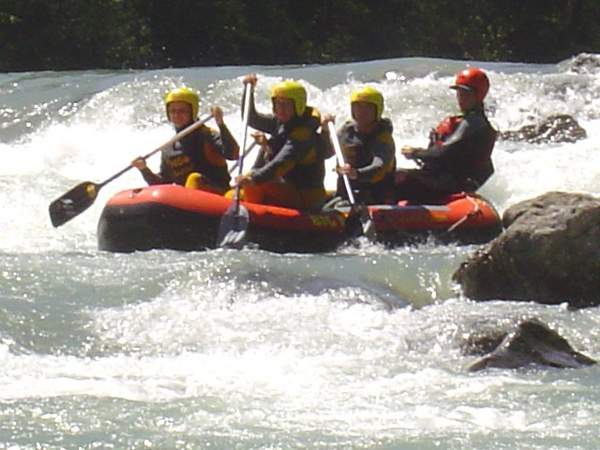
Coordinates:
(458,157)
(197,160)
(289,170)
(368,147)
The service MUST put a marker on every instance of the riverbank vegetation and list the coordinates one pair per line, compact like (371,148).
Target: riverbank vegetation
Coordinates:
(115,34)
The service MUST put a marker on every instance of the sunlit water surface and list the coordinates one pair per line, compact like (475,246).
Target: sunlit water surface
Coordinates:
(246,349)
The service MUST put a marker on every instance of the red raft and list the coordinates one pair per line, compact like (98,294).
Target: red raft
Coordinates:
(173,217)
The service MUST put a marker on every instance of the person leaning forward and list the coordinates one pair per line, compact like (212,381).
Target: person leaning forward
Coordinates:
(458,157)
(368,147)
(289,170)
(198,160)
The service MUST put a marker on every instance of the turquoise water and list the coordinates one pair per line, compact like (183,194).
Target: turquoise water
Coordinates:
(251,350)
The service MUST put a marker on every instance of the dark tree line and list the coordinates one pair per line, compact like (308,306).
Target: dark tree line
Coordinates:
(110,34)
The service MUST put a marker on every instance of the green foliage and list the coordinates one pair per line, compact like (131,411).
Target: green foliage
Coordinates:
(84,34)
(70,34)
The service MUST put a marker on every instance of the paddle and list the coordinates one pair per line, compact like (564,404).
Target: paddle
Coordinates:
(82,196)
(248,150)
(367,225)
(234,223)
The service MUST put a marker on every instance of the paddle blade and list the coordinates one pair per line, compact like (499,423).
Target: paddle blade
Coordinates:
(360,223)
(232,230)
(73,203)
(368,226)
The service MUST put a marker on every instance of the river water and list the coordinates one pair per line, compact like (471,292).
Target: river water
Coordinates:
(251,350)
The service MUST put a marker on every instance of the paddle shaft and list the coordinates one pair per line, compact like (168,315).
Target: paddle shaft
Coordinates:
(193,127)
(340,157)
(240,161)
(246,152)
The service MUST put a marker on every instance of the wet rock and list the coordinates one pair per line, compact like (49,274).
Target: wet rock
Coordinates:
(531,342)
(482,341)
(553,129)
(549,253)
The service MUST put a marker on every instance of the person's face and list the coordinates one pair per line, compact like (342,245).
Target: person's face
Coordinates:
(466,99)
(283,108)
(364,113)
(180,113)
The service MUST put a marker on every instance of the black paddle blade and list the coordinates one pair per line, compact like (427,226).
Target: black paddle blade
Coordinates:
(232,230)
(73,203)
(360,223)
(368,226)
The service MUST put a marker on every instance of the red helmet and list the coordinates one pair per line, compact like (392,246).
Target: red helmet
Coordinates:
(473,79)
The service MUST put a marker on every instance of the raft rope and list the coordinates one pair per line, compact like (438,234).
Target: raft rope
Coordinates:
(476,210)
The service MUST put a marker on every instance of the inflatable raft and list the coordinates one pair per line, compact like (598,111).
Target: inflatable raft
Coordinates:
(173,217)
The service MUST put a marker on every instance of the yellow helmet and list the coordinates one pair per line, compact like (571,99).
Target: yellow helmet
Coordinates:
(370,95)
(292,90)
(185,95)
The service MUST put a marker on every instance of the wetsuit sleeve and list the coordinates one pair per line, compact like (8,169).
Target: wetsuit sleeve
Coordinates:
(163,177)
(456,143)
(263,122)
(384,152)
(292,151)
(225,143)
(261,160)
(150,177)
(324,142)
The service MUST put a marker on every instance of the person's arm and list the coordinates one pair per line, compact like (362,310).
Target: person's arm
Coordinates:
(149,176)
(325,139)
(296,147)
(262,122)
(284,161)
(263,157)
(223,140)
(383,158)
(455,143)
(228,145)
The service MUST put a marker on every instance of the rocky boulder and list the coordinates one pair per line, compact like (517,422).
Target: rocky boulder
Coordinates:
(555,128)
(549,253)
(530,343)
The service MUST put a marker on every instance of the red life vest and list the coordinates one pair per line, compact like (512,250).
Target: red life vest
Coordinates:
(445,129)
(474,166)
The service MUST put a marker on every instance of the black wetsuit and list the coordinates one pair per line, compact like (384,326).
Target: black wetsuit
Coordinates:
(457,161)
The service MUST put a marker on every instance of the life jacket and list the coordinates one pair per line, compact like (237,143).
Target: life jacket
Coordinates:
(474,167)
(303,166)
(358,148)
(195,152)
(359,151)
(445,129)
